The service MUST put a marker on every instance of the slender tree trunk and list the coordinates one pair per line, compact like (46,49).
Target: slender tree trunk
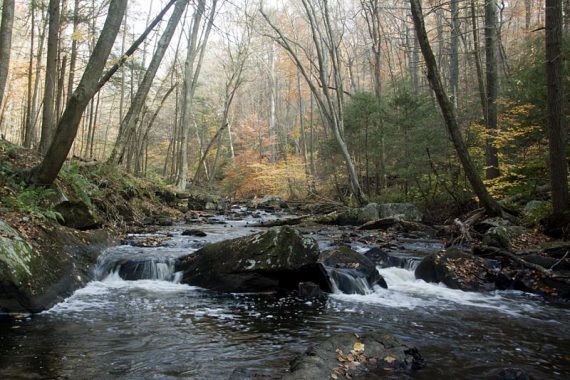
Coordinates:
(193,66)
(129,122)
(74,48)
(448,112)
(554,104)
(5,43)
(48,116)
(491,154)
(454,55)
(30,134)
(478,66)
(48,169)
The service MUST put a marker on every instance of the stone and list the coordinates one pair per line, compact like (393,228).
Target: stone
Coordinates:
(383,259)
(194,232)
(309,290)
(78,215)
(498,232)
(457,270)
(347,268)
(35,276)
(201,202)
(352,356)
(534,208)
(269,203)
(403,211)
(275,260)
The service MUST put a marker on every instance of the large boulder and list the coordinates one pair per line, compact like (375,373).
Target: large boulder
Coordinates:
(498,232)
(351,272)
(201,202)
(78,215)
(36,274)
(351,216)
(278,259)
(403,211)
(269,203)
(457,270)
(349,356)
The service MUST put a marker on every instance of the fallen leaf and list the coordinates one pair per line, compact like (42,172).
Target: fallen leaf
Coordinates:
(389,359)
(358,346)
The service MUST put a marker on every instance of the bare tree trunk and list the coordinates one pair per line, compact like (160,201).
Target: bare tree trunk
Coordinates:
(194,58)
(31,113)
(491,154)
(328,67)
(5,43)
(129,122)
(48,169)
(48,116)
(554,102)
(74,47)
(490,205)
(454,54)
(478,66)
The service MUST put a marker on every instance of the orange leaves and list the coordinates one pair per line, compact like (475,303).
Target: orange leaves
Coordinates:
(248,178)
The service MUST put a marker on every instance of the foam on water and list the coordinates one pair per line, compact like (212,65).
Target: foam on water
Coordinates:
(95,294)
(407,292)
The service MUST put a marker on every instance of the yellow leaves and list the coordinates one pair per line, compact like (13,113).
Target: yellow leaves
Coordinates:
(282,178)
(389,359)
(358,346)
(349,362)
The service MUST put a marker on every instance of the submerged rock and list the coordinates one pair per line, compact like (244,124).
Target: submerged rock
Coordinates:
(35,276)
(349,356)
(352,272)
(278,259)
(457,270)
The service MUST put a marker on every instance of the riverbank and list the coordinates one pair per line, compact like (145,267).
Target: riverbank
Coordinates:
(50,238)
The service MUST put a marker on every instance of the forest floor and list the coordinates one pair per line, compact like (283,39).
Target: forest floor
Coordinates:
(86,195)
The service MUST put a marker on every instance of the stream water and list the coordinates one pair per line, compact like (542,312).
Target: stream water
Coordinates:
(160,329)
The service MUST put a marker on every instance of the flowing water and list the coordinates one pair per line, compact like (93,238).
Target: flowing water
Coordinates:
(157,328)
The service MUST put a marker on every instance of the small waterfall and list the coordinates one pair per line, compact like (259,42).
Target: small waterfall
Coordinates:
(412,263)
(348,281)
(139,269)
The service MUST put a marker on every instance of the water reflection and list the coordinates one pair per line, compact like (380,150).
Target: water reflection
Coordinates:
(156,329)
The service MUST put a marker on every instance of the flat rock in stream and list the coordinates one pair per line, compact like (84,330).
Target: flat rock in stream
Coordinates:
(349,356)
(278,259)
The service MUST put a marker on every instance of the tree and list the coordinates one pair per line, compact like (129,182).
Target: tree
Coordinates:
(326,84)
(554,104)
(197,40)
(491,48)
(5,43)
(46,172)
(49,113)
(448,112)
(128,124)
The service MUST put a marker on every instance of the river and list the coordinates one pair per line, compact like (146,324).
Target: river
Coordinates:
(160,329)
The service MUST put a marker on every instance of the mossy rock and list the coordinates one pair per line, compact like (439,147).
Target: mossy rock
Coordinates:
(36,275)
(277,259)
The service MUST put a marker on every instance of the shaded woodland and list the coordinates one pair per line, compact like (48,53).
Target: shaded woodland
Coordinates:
(442,103)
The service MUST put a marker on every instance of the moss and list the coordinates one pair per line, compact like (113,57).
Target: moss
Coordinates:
(16,255)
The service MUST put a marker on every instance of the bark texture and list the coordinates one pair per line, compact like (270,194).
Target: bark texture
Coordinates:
(448,112)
